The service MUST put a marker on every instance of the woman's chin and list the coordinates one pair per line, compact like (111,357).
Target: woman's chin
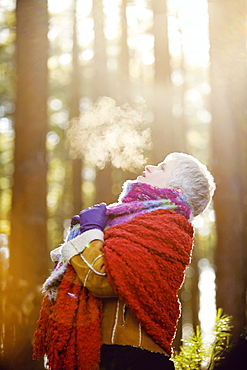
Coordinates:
(141,179)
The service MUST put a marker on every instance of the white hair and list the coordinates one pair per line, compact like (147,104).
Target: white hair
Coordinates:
(194,179)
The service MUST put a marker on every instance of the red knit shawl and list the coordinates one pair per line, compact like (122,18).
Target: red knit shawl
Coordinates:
(145,260)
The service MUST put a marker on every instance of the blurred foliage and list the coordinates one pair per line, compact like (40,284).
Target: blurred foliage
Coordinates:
(197,354)
(221,344)
(7,94)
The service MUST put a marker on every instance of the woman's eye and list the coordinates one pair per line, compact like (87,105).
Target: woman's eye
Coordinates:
(163,167)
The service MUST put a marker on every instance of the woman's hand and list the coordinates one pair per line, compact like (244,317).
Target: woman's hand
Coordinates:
(93,218)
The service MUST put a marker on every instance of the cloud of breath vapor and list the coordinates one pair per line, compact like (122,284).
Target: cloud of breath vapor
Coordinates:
(110,133)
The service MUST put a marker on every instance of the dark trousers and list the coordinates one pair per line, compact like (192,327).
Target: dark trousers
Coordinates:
(114,357)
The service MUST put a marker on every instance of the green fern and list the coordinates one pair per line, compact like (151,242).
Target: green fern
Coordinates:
(222,334)
(196,355)
(191,353)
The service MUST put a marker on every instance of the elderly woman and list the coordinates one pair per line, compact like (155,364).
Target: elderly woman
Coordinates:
(111,300)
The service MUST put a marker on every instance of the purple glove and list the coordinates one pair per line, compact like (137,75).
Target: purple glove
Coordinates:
(93,218)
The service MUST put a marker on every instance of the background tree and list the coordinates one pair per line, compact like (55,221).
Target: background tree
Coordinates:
(101,88)
(74,112)
(28,241)
(124,92)
(228,100)
(7,96)
(163,129)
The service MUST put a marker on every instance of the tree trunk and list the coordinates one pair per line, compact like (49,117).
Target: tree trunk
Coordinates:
(124,91)
(162,130)
(74,112)
(101,83)
(228,80)
(28,241)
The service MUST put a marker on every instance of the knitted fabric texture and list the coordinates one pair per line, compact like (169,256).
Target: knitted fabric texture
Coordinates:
(145,260)
(68,330)
(138,198)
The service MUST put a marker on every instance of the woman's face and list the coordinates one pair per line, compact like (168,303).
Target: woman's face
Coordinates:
(159,175)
